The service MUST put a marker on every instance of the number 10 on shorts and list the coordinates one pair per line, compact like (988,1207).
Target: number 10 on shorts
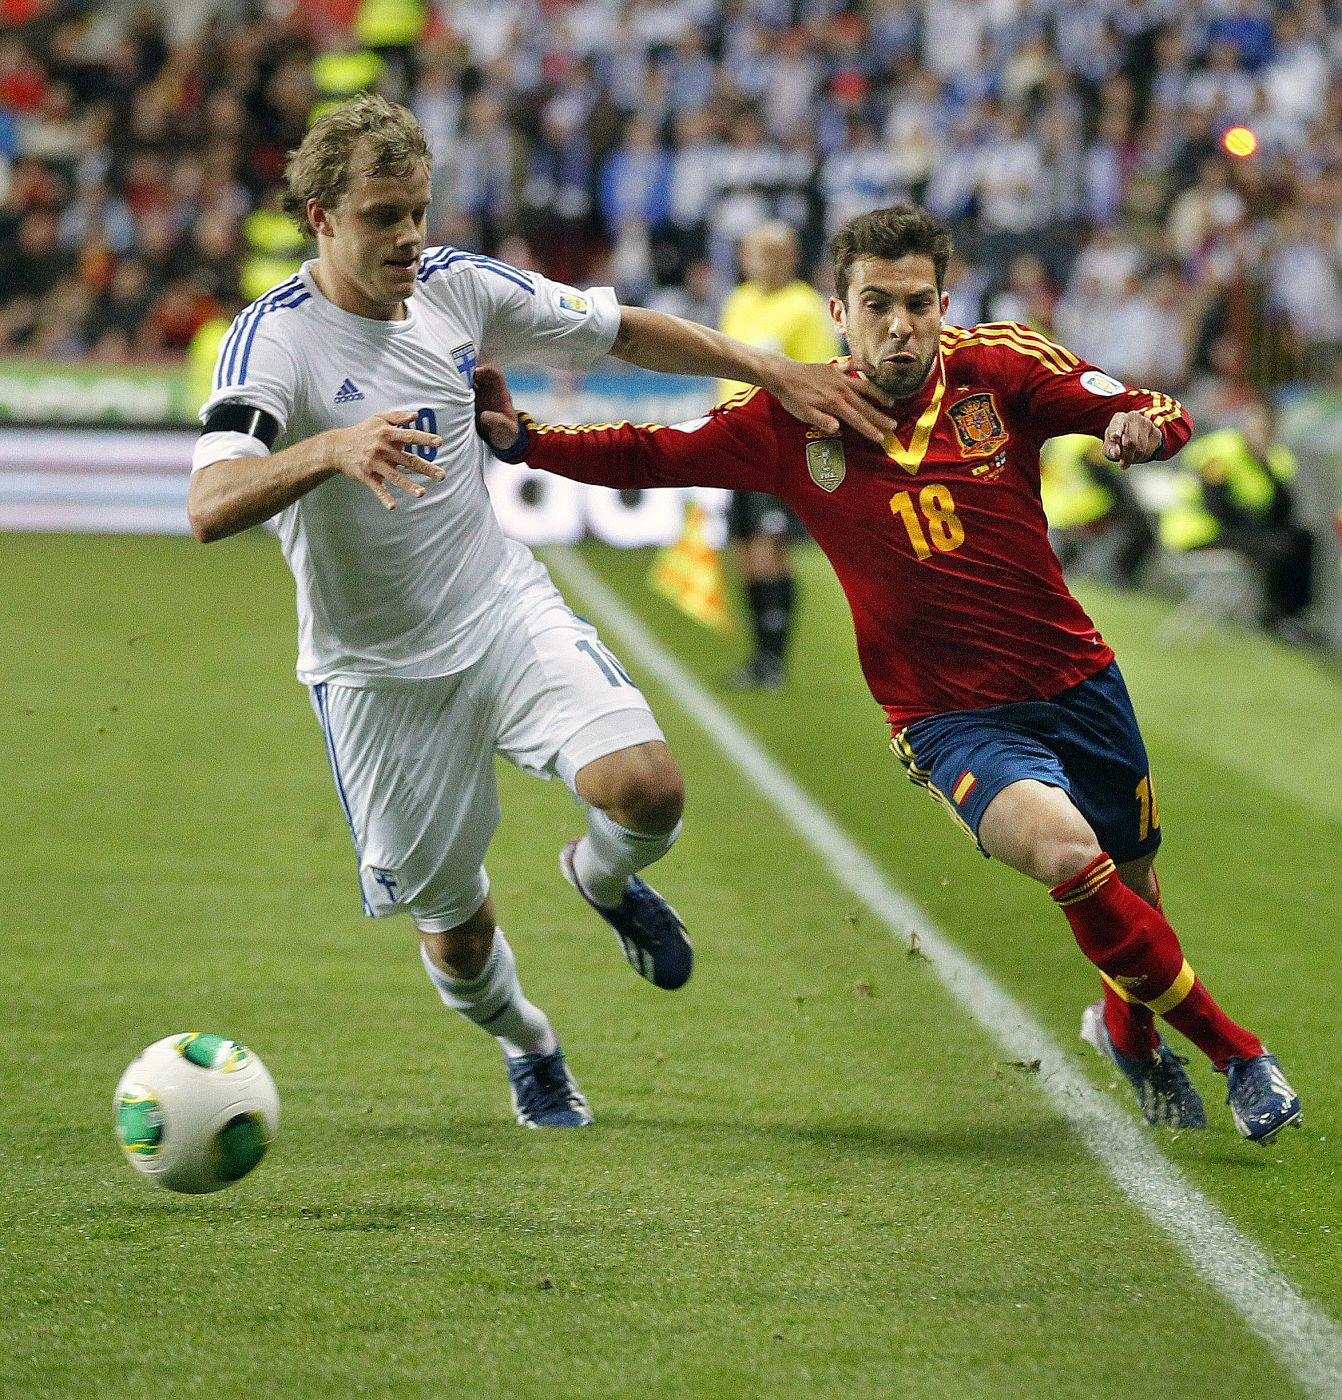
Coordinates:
(1148,814)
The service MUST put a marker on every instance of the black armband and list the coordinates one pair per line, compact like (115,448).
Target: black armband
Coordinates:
(517,450)
(242,418)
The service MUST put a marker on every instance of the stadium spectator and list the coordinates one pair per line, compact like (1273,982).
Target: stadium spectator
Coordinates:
(761,110)
(1027,295)
(859,175)
(1305,286)
(912,124)
(693,298)
(113,323)
(1012,190)
(635,179)
(692,185)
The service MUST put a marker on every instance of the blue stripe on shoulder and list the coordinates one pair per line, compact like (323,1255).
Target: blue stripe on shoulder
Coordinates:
(446,258)
(246,321)
(433,262)
(251,334)
(228,349)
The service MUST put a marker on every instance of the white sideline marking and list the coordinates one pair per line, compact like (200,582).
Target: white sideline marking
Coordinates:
(1307,1342)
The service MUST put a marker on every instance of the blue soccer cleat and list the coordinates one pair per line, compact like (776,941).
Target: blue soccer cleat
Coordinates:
(1165,1094)
(1261,1102)
(649,929)
(545,1094)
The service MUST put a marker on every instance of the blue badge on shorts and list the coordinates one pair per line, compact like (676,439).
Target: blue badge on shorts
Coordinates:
(389,881)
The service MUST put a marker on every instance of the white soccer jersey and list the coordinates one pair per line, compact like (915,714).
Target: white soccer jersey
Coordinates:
(406,593)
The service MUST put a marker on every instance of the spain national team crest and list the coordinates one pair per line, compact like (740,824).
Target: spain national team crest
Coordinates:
(824,460)
(978,425)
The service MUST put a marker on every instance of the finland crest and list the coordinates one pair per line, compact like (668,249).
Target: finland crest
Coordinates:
(465,359)
(824,461)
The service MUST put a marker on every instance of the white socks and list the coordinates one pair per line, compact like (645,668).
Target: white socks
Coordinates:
(609,854)
(494,1001)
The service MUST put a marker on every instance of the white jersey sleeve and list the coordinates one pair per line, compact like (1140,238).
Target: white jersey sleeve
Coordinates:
(256,367)
(525,318)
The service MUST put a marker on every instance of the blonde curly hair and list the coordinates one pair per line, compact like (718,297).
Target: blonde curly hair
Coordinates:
(386,136)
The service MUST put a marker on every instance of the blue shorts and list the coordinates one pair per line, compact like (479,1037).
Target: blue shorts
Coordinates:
(1084,741)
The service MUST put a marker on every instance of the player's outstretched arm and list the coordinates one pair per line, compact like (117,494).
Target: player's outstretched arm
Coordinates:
(820,395)
(733,447)
(239,492)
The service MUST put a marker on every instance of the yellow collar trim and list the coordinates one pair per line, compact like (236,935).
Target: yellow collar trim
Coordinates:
(911,457)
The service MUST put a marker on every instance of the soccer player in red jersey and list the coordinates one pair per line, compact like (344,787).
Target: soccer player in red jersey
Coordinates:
(1005,702)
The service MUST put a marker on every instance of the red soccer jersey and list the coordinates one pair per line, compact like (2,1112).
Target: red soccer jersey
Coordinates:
(938,536)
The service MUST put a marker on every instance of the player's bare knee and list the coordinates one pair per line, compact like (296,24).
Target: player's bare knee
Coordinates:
(1065,844)
(1065,856)
(659,797)
(643,789)
(1036,828)
(462,952)
(652,804)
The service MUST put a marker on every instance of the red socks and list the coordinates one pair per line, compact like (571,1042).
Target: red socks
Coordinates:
(1131,1025)
(1140,959)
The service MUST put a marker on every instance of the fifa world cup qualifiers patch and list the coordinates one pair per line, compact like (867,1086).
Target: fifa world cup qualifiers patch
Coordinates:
(978,425)
(825,462)
(1105,385)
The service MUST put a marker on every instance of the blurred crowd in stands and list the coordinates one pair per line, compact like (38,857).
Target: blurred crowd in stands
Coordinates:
(1075,145)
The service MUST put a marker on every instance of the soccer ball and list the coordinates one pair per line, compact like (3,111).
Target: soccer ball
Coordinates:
(195,1112)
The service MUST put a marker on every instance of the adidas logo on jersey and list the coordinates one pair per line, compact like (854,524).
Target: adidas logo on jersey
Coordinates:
(348,392)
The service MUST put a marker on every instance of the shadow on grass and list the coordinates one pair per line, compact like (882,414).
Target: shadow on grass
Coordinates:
(969,1141)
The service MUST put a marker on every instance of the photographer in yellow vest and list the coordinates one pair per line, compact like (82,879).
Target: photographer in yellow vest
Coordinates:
(1235,493)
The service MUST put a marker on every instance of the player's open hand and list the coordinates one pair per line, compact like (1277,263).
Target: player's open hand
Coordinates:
(822,395)
(378,452)
(1131,437)
(495,416)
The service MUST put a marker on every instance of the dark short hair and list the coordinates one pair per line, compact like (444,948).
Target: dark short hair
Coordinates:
(387,137)
(889,233)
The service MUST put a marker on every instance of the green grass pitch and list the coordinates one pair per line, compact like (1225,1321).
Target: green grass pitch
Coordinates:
(810,1174)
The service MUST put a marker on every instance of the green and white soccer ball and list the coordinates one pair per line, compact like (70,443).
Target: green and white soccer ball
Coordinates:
(195,1112)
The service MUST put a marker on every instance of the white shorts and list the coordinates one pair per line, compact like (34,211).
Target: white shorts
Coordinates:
(413,760)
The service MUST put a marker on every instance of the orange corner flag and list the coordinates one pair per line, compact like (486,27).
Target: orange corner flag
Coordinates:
(689,574)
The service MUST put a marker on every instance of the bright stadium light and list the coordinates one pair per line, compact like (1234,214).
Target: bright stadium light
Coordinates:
(1239,142)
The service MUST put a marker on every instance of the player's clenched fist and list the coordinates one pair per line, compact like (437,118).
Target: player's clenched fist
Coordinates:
(1131,437)
(378,453)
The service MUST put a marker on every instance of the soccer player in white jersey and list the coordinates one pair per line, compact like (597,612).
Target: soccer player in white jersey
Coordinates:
(342,407)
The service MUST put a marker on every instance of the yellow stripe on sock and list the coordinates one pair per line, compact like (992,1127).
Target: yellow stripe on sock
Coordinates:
(1094,880)
(1175,992)
(1117,990)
